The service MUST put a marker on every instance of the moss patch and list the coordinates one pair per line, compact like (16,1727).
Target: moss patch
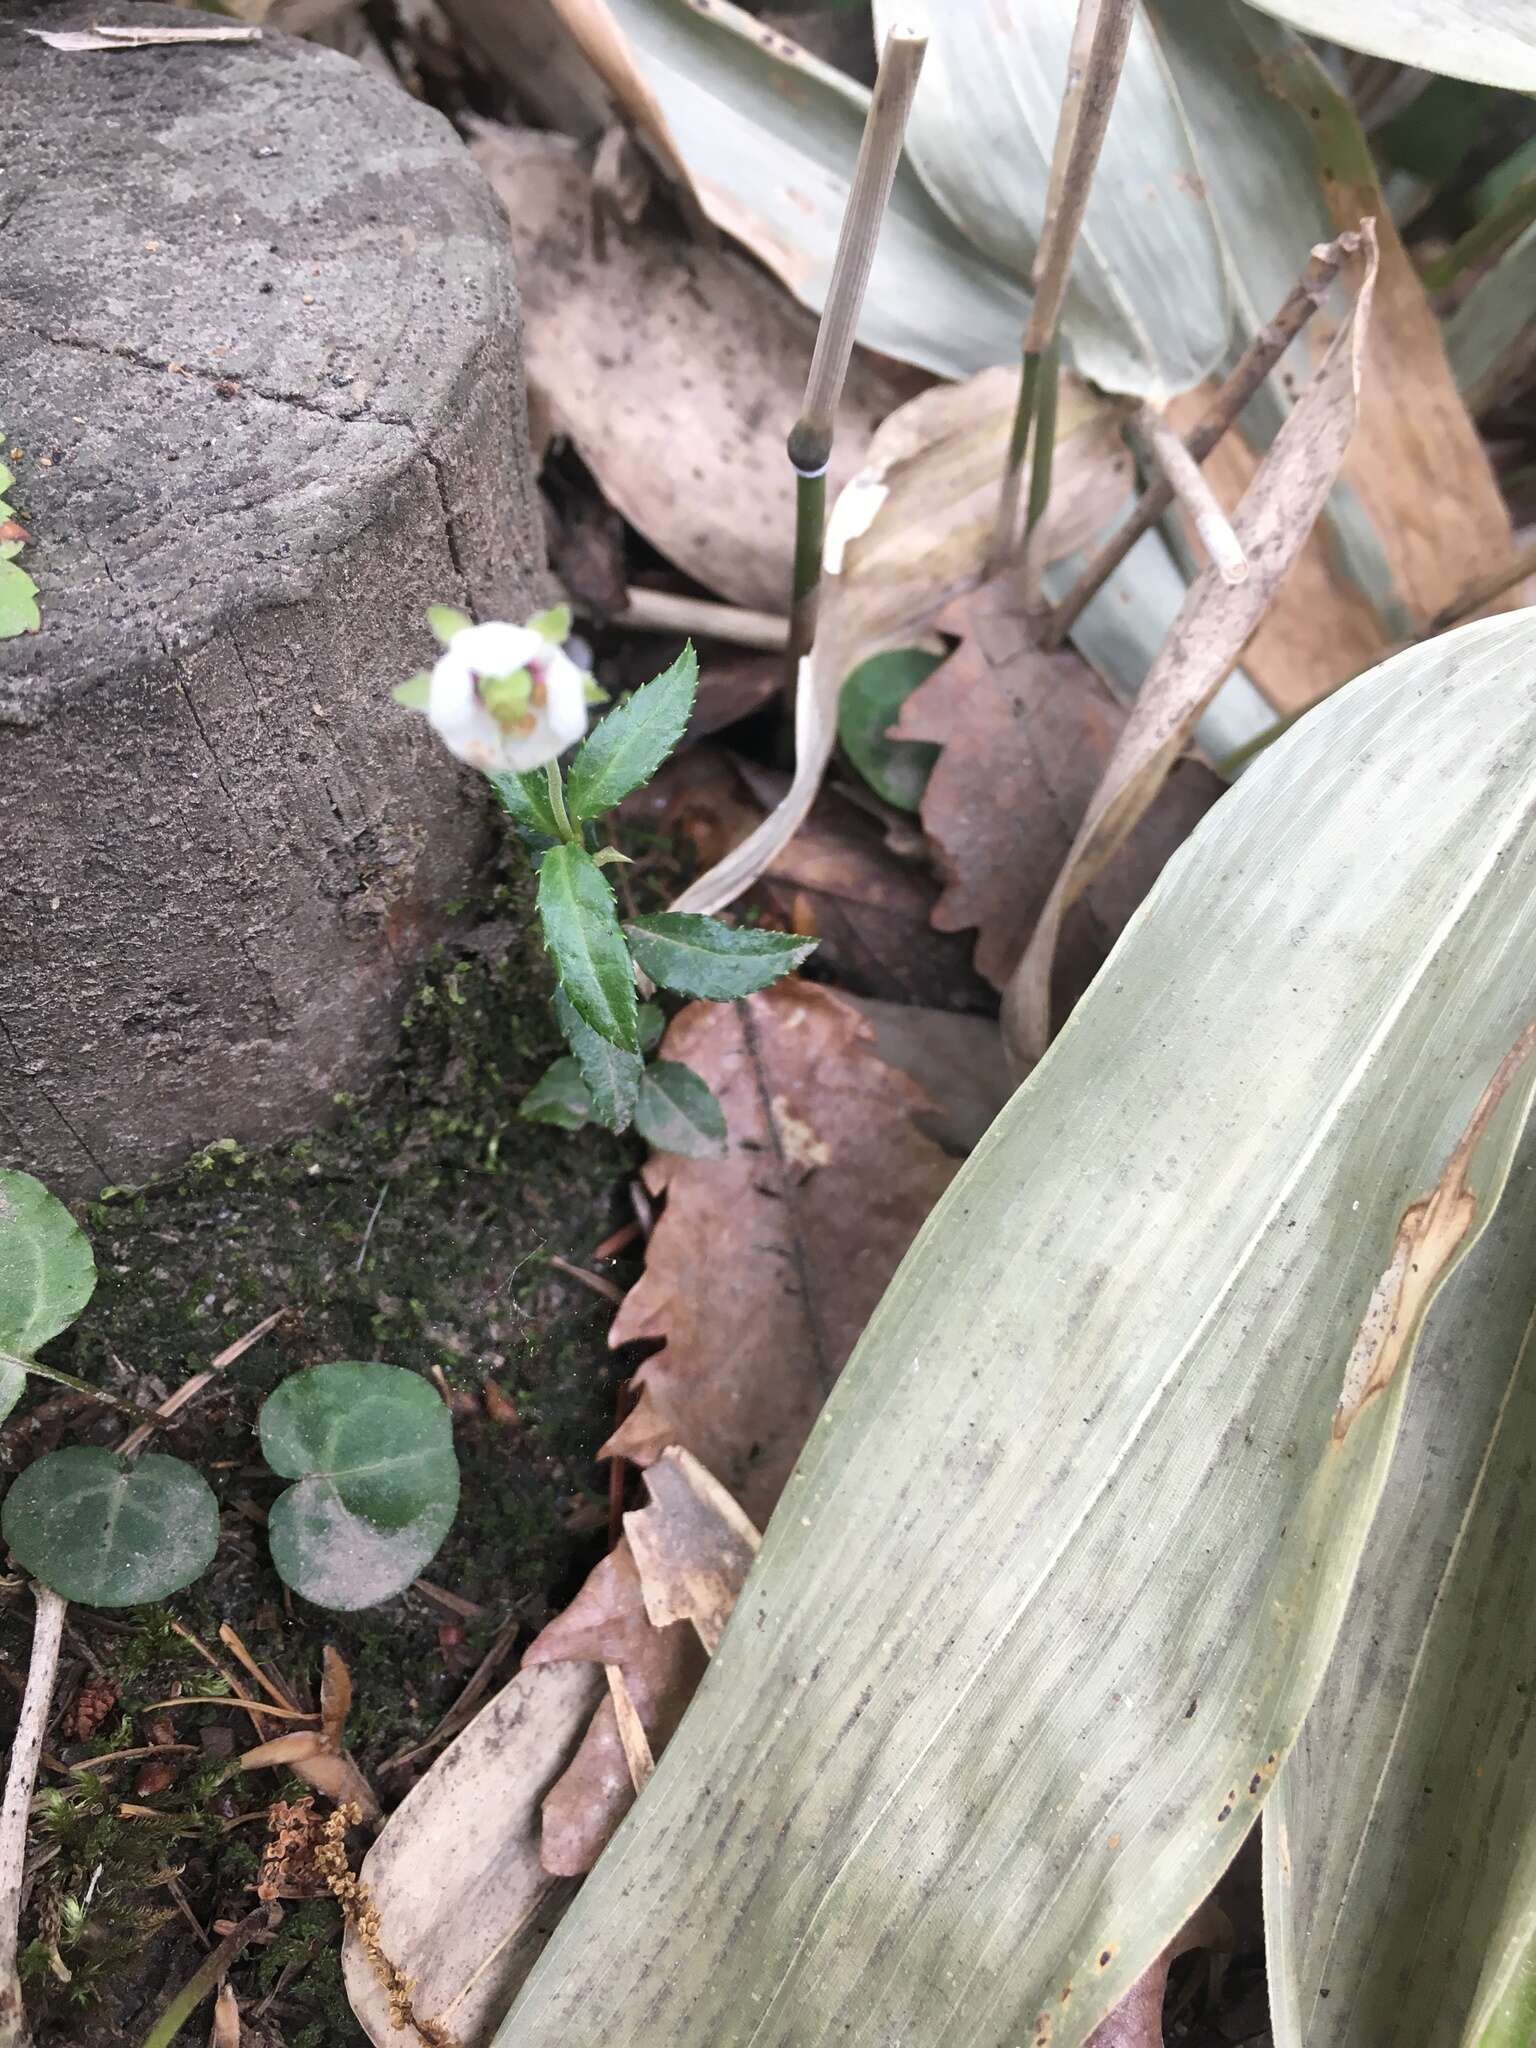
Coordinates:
(418,1231)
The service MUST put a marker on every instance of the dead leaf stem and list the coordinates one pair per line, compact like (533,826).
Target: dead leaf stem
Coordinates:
(26,1750)
(1247,374)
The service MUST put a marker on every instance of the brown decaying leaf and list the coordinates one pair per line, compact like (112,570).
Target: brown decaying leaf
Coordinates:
(1025,738)
(464,1904)
(673,368)
(760,1275)
(1215,619)
(319,1755)
(956,1060)
(908,534)
(607,1624)
(840,880)
(226,2020)
(1137,2021)
(693,1546)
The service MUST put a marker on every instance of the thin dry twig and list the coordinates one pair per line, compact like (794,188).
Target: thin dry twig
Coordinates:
(662,611)
(608,1289)
(26,1752)
(1247,374)
(1182,473)
(176,1401)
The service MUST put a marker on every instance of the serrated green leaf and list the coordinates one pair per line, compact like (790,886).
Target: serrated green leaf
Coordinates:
(553,625)
(679,1112)
(415,692)
(18,607)
(446,622)
(47,1271)
(525,799)
(699,956)
(371,1449)
(652,1022)
(582,937)
(559,1096)
(624,751)
(870,702)
(611,1074)
(111,1531)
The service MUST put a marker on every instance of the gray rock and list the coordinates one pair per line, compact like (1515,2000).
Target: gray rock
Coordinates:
(261,349)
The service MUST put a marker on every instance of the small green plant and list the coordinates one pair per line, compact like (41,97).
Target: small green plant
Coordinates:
(509,700)
(370,1447)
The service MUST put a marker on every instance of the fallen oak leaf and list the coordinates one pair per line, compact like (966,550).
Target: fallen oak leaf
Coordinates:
(1274,519)
(1024,737)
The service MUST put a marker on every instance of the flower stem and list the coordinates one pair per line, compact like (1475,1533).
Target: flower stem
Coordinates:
(557,802)
(810,521)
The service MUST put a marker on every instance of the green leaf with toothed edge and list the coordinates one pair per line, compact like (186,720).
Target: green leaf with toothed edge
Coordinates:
(525,799)
(1114,1439)
(610,1073)
(700,956)
(625,748)
(559,1096)
(583,939)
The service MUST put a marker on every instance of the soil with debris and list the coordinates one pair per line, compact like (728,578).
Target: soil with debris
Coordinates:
(419,1230)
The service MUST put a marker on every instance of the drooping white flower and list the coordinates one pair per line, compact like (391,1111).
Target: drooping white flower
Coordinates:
(506,698)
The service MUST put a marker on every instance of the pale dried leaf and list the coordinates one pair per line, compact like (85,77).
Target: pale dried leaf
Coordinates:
(335,1695)
(909,533)
(464,1904)
(284,1751)
(105,38)
(693,1546)
(1025,738)
(225,2032)
(673,368)
(1216,618)
(638,1759)
(601,42)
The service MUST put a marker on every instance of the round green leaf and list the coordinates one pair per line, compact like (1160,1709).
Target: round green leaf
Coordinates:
(111,1531)
(677,1112)
(371,1447)
(46,1268)
(870,703)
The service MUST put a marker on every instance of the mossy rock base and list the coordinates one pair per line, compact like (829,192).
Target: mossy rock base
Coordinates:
(416,1231)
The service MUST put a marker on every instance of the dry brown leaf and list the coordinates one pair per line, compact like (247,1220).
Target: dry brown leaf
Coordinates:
(911,532)
(693,1546)
(1214,621)
(956,1060)
(225,2032)
(464,1904)
(674,369)
(633,1740)
(607,1624)
(840,880)
(1025,738)
(766,1265)
(318,1755)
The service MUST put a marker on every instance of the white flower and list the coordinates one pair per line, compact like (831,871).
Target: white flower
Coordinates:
(506,697)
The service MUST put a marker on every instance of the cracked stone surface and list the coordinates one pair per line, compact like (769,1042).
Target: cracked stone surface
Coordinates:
(262,361)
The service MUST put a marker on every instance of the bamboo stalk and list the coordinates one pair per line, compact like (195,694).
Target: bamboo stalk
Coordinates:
(1247,374)
(1183,476)
(1104,26)
(810,438)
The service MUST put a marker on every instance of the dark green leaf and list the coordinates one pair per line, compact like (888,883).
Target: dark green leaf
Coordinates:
(525,799)
(371,1447)
(631,743)
(47,1272)
(871,700)
(677,1112)
(559,1096)
(111,1531)
(582,937)
(652,1022)
(699,956)
(611,1074)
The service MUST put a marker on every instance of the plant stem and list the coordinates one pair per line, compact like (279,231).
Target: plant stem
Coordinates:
(204,1980)
(26,1750)
(1045,438)
(557,802)
(67,1379)
(810,439)
(1105,27)
(1182,472)
(1247,374)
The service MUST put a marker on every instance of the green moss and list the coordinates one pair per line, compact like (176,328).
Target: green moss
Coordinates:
(417,1230)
